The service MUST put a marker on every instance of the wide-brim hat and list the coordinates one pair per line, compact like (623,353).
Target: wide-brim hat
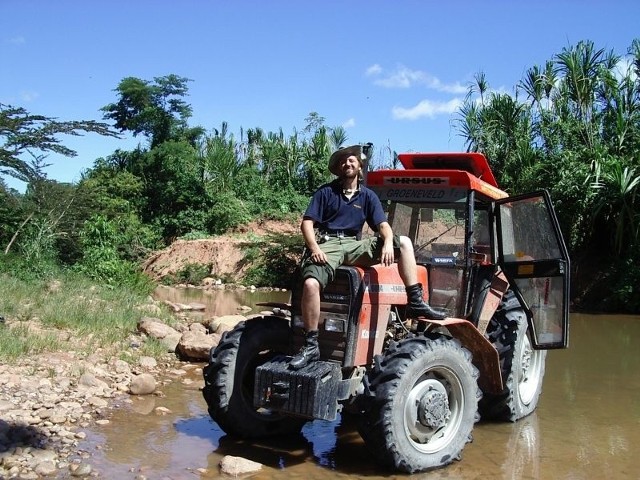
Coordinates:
(334,160)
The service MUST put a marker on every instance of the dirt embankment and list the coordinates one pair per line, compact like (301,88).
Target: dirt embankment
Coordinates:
(225,254)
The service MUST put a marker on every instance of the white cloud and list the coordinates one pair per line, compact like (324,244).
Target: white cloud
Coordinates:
(349,123)
(426,108)
(625,67)
(29,96)
(19,40)
(403,77)
(373,70)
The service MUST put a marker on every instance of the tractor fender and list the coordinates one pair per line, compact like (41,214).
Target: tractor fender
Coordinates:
(485,356)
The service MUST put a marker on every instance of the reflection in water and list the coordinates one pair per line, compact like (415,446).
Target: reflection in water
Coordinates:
(595,391)
(221,302)
(587,425)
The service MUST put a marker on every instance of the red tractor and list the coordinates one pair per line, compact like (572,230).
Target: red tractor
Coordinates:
(499,267)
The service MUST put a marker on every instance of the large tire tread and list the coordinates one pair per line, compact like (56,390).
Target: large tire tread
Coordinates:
(386,381)
(507,331)
(228,388)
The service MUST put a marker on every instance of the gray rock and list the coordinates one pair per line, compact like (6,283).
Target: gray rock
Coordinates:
(48,467)
(198,328)
(97,402)
(28,475)
(58,418)
(143,384)
(173,306)
(155,328)
(81,470)
(147,362)
(197,345)
(236,466)
(121,366)
(171,341)
(43,455)
(225,322)
(89,380)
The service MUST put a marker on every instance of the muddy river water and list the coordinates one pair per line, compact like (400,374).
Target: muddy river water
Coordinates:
(587,425)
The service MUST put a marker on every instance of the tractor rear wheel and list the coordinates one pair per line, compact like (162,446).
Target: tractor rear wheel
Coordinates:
(522,367)
(423,404)
(230,378)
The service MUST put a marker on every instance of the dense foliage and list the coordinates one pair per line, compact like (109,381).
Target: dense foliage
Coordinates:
(571,126)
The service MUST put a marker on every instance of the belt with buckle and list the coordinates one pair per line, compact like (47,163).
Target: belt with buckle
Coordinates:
(337,234)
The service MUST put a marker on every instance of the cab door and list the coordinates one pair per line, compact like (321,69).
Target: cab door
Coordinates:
(533,256)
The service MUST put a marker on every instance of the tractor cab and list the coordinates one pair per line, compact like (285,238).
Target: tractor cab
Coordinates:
(468,234)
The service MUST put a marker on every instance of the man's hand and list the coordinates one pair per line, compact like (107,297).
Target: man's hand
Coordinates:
(318,257)
(386,258)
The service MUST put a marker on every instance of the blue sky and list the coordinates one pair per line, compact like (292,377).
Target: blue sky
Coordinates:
(391,72)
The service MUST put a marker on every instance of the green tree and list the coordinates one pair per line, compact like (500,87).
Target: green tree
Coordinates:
(42,237)
(219,156)
(38,222)
(155,109)
(11,213)
(580,112)
(28,138)
(316,153)
(103,243)
(104,190)
(171,170)
(501,127)
(173,183)
(617,202)
(577,134)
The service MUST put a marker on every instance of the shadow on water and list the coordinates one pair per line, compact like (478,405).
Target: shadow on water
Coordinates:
(587,425)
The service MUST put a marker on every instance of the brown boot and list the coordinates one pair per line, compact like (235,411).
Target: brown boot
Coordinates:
(417,307)
(310,351)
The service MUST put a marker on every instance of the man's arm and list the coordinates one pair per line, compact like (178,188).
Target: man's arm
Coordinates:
(386,233)
(309,235)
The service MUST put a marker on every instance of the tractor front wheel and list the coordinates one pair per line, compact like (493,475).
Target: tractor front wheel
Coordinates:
(230,378)
(423,404)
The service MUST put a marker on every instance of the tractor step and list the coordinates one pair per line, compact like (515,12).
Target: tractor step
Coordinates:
(310,392)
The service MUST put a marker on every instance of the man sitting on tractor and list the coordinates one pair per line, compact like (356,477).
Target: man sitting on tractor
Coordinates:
(331,227)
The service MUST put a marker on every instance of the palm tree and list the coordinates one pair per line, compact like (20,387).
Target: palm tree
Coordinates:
(337,137)
(219,161)
(315,155)
(469,125)
(618,202)
(581,68)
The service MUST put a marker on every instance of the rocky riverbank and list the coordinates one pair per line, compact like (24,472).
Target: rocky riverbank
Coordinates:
(49,400)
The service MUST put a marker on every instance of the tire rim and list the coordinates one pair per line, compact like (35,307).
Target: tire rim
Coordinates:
(430,431)
(531,362)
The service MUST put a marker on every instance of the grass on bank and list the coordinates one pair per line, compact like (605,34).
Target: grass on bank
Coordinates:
(67,311)
(19,341)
